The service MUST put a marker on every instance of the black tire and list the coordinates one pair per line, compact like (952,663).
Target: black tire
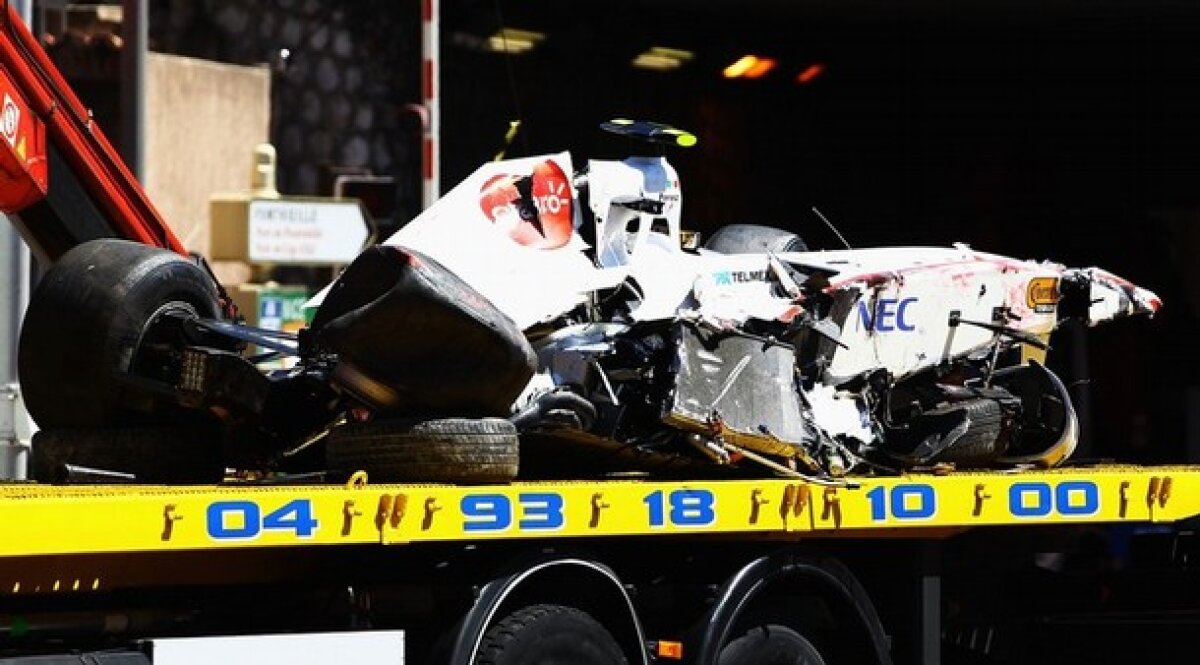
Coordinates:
(754,239)
(449,450)
(770,644)
(84,325)
(152,454)
(426,339)
(549,635)
(981,443)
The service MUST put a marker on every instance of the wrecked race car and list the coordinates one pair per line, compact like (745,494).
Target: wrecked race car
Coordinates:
(752,353)
(560,322)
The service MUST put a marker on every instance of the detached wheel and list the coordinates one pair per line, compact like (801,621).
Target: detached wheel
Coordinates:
(86,321)
(770,644)
(754,239)
(981,443)
(152,454)
(549,635)
(449,450)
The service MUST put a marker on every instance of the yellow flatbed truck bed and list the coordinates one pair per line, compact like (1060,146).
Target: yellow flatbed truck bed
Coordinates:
(469,561)
(64,520)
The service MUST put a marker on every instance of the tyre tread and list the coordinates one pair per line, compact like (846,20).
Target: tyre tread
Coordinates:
(981,441)
(754,239)
(441,450)
(504,634)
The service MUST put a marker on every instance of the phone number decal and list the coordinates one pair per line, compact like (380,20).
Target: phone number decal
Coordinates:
(655,509)
(478,513)
(545,511)
(912,502)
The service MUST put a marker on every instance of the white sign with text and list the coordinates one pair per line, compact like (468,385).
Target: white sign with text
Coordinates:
(282,231)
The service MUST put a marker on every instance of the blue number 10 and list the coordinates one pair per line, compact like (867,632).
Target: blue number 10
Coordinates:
(903,502)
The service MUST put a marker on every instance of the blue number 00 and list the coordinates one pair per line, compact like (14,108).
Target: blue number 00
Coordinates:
(1038,499)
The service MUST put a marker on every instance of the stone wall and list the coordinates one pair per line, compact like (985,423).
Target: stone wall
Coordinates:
(342,73)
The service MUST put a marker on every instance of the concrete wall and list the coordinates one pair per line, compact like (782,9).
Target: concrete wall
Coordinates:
(203,120)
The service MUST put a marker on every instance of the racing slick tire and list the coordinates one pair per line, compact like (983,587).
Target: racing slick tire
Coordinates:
(85,322)
(754,239)
(449,450)
(549,635)
(770,644)
(152,454)
(981,443)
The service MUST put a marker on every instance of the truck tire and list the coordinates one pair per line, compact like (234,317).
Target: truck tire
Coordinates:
(754,239)
(449,450)
(770,644)
(174,455)
(85,322)
(549,635)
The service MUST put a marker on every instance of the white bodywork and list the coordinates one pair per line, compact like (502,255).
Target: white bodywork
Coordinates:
(907,295)
(472,236)
(903,310)
(901,320)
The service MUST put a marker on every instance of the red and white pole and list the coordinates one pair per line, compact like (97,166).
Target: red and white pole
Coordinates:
(431,127)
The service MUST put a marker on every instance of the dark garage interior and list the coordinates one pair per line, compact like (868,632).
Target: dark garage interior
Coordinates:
(1051,130)
(1063,131)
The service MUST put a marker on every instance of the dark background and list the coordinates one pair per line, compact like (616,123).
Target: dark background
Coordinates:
(1050,130)
(1047,129)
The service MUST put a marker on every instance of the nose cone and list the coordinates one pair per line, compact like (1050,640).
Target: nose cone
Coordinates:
(1152,301)
(1113,297)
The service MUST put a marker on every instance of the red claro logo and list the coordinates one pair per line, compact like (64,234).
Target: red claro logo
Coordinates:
(550,192)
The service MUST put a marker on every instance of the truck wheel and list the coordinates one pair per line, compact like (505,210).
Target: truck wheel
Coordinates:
(770,644)
(449,450)
(85,322)
(549,635)
(152,454)
(754,239)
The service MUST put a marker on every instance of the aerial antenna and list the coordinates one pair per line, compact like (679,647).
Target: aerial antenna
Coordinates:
(512,83)
(831,227)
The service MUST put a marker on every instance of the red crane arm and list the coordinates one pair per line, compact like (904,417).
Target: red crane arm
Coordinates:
(42,121)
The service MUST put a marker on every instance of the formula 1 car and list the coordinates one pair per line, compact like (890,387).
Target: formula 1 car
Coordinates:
(567,310)
(752,348)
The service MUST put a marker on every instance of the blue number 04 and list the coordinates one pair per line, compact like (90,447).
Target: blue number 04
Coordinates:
(243,520)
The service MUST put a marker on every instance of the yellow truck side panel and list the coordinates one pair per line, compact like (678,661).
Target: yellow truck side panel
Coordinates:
(47,520)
